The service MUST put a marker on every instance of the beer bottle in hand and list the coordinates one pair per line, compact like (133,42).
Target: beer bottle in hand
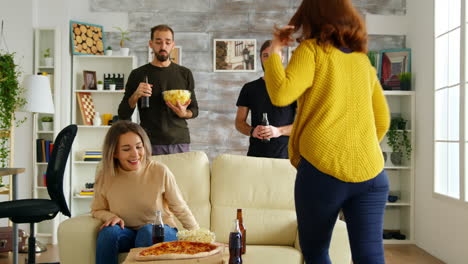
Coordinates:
(145,99)
(158,228)
(235,244)
(242,229)
(265,123)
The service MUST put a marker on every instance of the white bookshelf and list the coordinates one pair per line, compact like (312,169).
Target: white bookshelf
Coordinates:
(44,38)
(399,215)
(88,136)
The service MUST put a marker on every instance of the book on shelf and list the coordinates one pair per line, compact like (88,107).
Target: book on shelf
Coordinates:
(92,155)
(86,192)
(43,150)
(92,158)
(47,150)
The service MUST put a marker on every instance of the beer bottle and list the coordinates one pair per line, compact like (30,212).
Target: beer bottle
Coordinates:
(265,123)
(235,244)
(145,99)
(242,229)
(158,228)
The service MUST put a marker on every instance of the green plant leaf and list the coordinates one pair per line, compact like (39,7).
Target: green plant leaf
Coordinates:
(11,98)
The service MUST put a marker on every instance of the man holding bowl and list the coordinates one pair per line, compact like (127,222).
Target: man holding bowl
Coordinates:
(164,121)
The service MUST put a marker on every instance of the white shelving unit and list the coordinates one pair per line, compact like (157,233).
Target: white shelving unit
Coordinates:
(46,38)
(400,214)
(92,137)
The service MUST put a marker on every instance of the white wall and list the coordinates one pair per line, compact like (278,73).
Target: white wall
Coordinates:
(17,17)
(441,226)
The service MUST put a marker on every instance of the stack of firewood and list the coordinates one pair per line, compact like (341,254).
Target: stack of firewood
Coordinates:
(87,39)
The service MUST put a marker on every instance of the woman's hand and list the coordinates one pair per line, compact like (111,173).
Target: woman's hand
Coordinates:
(113,221)
(282,37)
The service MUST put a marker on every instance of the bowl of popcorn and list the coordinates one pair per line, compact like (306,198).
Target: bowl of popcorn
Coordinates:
(198,235)
(174,96)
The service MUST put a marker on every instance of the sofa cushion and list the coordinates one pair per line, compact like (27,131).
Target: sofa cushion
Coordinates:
(192,173)
(264,189)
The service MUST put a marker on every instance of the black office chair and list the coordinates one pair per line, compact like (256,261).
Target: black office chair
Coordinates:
(37,210)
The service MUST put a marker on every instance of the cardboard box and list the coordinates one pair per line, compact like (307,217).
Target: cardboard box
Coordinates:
(214,259)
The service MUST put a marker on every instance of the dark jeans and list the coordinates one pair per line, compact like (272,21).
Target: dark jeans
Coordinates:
(319,197)
(112,240)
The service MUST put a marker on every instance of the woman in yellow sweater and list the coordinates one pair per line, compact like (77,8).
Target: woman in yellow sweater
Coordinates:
(129,189)
(342,116)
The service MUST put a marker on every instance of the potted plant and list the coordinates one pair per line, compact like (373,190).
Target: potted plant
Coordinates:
(123,36)
(372,55)
(11,98)
(398,139)
(109,51)
(48,60)
(100,85)
(46,123)
(405,81)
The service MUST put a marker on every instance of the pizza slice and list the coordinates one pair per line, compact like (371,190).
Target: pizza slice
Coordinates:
(179,250)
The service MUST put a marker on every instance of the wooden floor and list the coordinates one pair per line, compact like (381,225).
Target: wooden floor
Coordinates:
(394,254)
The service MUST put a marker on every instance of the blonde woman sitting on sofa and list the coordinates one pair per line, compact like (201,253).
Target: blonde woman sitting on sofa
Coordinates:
(129,189)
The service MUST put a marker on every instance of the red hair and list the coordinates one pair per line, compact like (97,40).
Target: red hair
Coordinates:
(331,22)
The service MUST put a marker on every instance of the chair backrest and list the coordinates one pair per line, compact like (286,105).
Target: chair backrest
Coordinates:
(57,164)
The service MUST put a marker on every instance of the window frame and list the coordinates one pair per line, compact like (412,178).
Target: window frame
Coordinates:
(463,129)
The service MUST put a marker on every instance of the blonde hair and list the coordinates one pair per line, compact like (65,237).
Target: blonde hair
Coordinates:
(109,164)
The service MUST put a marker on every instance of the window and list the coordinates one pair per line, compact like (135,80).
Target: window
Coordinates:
(450,86)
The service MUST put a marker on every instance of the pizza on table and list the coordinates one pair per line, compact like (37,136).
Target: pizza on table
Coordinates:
(179,250)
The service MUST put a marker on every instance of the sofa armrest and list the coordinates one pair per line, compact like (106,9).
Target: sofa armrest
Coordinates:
(77,239)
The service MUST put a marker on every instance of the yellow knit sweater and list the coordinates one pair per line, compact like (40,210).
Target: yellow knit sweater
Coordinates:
(342,112)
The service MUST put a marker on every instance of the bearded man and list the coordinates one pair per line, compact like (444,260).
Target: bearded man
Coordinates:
(164,122)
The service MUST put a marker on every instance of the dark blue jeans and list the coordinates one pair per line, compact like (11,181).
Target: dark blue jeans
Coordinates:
(112,240)
(319,198)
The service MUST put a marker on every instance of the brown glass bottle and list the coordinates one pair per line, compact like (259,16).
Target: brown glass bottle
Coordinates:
(265,123)
(242,229)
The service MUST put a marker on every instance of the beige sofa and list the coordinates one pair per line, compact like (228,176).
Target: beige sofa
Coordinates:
(263,188)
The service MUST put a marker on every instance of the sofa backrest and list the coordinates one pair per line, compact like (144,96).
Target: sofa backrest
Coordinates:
(192,173)
(263,188)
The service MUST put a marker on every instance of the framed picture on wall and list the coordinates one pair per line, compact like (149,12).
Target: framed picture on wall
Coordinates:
(393,65)
(175,56)
(86,39)
(90,82)
(234,55)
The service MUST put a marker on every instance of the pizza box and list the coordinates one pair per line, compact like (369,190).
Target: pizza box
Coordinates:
(214,259)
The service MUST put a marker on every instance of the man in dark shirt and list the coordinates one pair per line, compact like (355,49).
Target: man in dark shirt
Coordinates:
(164,122)
(254,97)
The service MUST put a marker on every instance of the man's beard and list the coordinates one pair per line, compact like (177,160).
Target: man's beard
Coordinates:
(161,57)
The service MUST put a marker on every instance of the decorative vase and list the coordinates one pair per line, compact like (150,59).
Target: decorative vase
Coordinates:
(49,62)
(124,51)
(46,126)
(108,52)
(112,87)
(396,158)
(405,86)
(100,87)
